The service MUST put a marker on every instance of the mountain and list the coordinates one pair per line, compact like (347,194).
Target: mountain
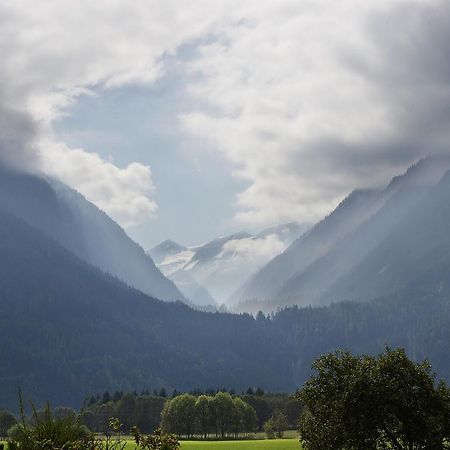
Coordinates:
(306,272)
(68,330)
(166,249)
(80,227)
(221,265)
(263,285)
(419,243)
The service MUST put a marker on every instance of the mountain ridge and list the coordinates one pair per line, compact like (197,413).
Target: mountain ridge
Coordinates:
(82,228)
(314,266)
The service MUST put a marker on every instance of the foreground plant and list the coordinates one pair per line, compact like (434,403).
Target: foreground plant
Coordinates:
(44,432)
(155,441)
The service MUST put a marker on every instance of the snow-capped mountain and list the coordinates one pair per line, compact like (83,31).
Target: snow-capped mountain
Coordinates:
(214,270)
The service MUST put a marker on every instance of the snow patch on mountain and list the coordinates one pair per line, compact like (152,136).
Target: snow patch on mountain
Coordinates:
(220,266)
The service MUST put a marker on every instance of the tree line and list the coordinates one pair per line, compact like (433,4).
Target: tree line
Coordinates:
(220,415)
(149,409)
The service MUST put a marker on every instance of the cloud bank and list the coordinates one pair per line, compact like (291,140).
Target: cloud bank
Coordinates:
(308,100)
(313,99)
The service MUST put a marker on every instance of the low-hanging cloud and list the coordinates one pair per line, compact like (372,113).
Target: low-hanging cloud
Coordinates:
(252,252)
(17,131)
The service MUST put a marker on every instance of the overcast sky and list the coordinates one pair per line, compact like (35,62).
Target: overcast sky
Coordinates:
(191,120)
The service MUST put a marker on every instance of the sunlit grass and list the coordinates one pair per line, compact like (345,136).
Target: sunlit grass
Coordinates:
(273,444)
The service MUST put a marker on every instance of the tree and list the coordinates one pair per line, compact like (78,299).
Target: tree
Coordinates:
(168,418)
(269,428)
(178,415)
(203,413)
(237,416)
(63,412)
(125,411)
(223,405)
(7,420)
(368,403)
(162,392)
(280,423)
(106,397)
(250,420)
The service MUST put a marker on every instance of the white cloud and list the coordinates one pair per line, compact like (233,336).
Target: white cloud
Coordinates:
(252,252)
(313,99)
(125,194)
(308,99)
(54,51)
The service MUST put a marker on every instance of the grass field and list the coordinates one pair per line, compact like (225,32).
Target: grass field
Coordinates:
(273,444)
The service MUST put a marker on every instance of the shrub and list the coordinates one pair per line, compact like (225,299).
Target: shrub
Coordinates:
(44,432)
(155,441)
(269,429)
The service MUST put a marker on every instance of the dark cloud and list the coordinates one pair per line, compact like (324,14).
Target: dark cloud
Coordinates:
(17,133)
(411,71)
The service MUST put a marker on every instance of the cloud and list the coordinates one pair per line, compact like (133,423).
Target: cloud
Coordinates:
(311,100)
(125,193)
(308,100)
(16,132)
(52,52)
(252,252)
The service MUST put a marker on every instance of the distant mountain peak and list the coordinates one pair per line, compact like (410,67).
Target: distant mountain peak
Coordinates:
(168,246)
(222,264)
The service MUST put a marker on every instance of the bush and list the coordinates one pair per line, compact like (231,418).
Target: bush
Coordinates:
(13,432)
(269,429)
(44,432)
(7,420)
(155,441)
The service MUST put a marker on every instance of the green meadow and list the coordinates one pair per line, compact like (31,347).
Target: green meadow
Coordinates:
(263,444)
(272,444)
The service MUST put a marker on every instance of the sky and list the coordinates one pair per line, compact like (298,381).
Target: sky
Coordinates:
(189,121)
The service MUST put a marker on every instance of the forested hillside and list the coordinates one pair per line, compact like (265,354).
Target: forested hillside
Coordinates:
(67,330)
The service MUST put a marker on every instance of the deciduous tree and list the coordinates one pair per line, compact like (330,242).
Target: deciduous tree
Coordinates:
(368,403)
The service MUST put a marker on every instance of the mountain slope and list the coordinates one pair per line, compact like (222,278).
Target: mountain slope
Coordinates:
(353,230)
(352,211)
(68,330)
(82,228)
(415,246)
(402,195)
